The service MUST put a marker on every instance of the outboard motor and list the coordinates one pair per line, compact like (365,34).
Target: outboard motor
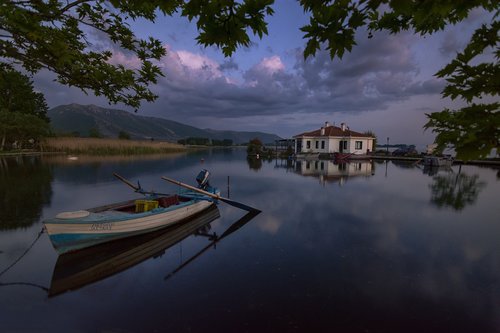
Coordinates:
(202,179)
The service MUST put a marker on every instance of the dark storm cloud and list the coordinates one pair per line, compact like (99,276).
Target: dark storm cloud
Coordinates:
(378,72)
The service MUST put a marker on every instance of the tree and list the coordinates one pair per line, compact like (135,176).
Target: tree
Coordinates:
(94,133)
(54,35)
(17,94)
(23,112)
(254,147)
(20,127)
(123,135)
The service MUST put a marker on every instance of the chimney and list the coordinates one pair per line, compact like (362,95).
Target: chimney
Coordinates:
(327,124)
(323,130)
(342,126)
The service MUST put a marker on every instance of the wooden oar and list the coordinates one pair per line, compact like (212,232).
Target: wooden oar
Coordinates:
(136,188)
(212,195)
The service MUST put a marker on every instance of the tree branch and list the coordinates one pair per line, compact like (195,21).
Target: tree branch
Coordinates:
(71,5)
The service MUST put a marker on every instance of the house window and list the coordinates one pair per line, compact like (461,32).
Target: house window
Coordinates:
(308,166)
(359,145)
(308,144)
(323,144)
(322,166)
(317,144)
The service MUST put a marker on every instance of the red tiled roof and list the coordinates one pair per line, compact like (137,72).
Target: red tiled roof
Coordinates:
(334,131)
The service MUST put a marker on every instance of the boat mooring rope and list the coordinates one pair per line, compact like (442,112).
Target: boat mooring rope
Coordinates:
(25,284)
(25,252)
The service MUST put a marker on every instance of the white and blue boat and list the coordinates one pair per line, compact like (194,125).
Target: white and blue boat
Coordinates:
(70,231)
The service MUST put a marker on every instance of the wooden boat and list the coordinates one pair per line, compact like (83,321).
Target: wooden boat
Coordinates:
(70,231)
(77,269)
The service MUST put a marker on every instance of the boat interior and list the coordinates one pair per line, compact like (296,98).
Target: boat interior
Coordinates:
(142,205)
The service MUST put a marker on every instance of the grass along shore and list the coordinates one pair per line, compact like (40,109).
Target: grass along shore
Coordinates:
(103,146)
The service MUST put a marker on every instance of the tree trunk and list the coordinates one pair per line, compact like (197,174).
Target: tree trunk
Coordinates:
(3,142)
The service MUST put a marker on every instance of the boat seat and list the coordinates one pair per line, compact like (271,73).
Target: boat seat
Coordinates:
(168,201)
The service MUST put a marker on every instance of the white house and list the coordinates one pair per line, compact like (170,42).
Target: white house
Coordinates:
(333,139)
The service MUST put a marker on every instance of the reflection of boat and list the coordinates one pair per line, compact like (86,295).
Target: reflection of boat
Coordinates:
(71,231)
(77,269)
(437,161)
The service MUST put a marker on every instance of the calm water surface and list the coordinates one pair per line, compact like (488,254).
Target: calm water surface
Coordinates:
(360,247)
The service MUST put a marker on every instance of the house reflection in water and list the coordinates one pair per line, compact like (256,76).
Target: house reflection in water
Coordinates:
(329,172)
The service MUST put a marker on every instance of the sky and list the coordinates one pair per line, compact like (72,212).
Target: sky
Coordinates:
(385,85)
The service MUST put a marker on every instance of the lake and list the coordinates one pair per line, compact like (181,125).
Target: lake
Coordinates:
(358,247)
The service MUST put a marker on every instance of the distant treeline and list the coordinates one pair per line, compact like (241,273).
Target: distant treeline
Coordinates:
(205,142)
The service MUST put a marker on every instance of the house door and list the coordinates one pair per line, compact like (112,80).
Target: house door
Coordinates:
(299,145)
(342,146)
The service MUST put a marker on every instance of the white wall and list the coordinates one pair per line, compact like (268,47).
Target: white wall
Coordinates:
(332,145)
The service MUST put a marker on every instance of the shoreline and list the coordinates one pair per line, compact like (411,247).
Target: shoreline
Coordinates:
(458,162)
(187,148)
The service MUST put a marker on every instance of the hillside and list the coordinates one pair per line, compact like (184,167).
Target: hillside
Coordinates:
(82,118)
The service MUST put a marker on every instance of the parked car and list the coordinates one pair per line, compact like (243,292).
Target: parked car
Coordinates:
(405,151)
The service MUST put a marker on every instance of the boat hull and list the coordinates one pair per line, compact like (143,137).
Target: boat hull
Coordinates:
(74,234)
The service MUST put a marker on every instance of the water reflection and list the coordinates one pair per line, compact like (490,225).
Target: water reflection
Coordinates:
(254,163)
(25,187)
(434,170)
(455,190)
(404,164)
(329,172)
(94,169)
(374,256)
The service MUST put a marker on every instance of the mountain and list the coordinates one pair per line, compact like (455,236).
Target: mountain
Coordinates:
(82,118)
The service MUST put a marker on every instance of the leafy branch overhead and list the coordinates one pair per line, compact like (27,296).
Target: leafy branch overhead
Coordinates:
(58,35)
(473,130)
(55,35)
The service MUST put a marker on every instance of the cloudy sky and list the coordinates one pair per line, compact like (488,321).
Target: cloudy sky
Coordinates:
(385,84)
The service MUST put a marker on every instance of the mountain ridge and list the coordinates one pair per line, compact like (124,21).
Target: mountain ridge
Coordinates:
(80,119)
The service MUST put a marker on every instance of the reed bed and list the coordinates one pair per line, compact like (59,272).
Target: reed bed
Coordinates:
(98,146)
